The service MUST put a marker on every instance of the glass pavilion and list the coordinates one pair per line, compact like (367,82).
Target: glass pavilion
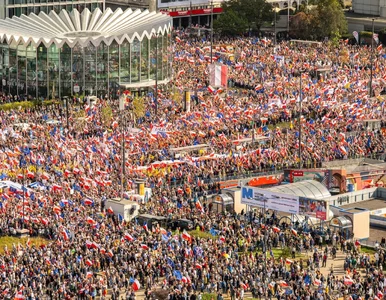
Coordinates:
(56,55)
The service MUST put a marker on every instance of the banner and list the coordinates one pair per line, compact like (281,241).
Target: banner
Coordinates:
(313,208)
(270,200)
(356,36)
(218,75)
(376,38)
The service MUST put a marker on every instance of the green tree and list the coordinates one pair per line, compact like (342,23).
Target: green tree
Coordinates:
(329,20)
(242,15)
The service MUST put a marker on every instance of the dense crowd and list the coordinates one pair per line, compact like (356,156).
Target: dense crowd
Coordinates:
(247,129)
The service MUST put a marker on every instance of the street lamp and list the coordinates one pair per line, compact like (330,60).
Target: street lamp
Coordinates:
(121,110)
(276,10)
(371,61)
(156,76)
(300,119)
(211,33)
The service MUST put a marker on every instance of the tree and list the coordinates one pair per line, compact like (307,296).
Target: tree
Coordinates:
(330,20)
(241,15)
(326,19)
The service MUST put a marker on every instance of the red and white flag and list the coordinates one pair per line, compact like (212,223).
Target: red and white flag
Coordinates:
(136,285)
(218,75)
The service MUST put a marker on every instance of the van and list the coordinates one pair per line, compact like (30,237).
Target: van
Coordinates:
(152,221)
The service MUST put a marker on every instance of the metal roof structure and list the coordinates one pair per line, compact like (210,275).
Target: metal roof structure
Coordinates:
(74,27)
(307,188)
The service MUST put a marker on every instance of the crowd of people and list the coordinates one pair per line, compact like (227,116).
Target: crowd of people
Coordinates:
(249,127)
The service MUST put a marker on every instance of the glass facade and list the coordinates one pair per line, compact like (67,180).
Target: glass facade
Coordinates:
(51,72)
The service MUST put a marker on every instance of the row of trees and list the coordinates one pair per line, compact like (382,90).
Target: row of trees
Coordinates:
(320,19)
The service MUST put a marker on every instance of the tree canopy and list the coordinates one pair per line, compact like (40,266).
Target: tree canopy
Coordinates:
(243,15)
(326,19)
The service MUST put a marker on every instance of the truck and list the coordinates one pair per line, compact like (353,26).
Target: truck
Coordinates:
(126,208)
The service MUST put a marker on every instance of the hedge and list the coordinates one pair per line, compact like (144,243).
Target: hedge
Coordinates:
(27,104)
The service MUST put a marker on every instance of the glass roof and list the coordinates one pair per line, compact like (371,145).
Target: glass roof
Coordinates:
(307,188)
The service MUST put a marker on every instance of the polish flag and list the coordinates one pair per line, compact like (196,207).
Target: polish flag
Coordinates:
(163,231)
(19,295)
(88,244)
(317,282)
(102,251)
(88,262)
(128,237)
(88,201)
(276,229)
(144,247)
(244,286)
(30,174)
(110,210)
(294,232)
(218,75)
(136,285)
(89,274)
(211,89)
(198,266)
(56,209)
(65,235)
(199,206)
(44,221)
(90,221)
(186,236)
(288,261)
(184,279)
(110,253)
(178,40)
(56,188)
(348,281)
(282,283)
(28,243)
(222,239)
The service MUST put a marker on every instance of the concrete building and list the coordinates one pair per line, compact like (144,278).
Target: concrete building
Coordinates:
(370,7)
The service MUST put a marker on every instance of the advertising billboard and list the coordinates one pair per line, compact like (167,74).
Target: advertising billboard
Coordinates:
(184,3)
(270,200)
(313,208)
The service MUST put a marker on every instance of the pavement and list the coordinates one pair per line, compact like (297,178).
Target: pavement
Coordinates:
(335,264)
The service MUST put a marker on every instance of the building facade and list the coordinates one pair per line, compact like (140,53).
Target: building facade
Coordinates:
(88,53)
(370,7)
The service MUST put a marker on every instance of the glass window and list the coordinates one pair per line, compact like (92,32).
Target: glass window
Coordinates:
(31,71)
(114,62)
(165,55)
(65,71)
(42,71)
(135,60)
(77,67)
(21,68)
(53,71)
(11,12)
(18,11)
(125,62)
(145,59)
(159,57)
(6,65)
(13,68)
(69,8)
(90,69)
(153,61)
(102,69)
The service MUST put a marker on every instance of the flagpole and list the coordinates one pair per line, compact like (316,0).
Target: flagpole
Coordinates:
(156,76)
(121,109)
(211,33)
(300,124)
(372,60)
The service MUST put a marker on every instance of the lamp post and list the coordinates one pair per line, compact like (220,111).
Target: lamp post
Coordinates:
(371,61)
(156,76)
(300,120)
(21,165)
(121,110)
(211,33)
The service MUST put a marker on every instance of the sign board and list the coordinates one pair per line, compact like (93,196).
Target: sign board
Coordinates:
(270,200)
(76,88)
(184,3)
(313,208)
(4,82)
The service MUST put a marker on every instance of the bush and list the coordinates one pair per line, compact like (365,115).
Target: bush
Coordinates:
(26,104)
(208,296)
(365,34)
(201,234)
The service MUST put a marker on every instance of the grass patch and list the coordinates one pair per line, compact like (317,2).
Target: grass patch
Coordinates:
(368,250)
(209,296)
(10,240)
(278,252)
(280,125)
(202,234)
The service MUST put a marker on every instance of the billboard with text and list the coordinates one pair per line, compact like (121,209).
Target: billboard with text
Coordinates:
(270,200)
(313,208)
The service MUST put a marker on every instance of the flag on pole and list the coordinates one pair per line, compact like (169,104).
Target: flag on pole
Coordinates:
(218,75)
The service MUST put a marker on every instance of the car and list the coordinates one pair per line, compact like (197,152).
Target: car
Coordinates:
(182,224)
(151,221)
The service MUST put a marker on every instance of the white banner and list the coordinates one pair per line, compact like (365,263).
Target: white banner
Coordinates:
(270,200)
